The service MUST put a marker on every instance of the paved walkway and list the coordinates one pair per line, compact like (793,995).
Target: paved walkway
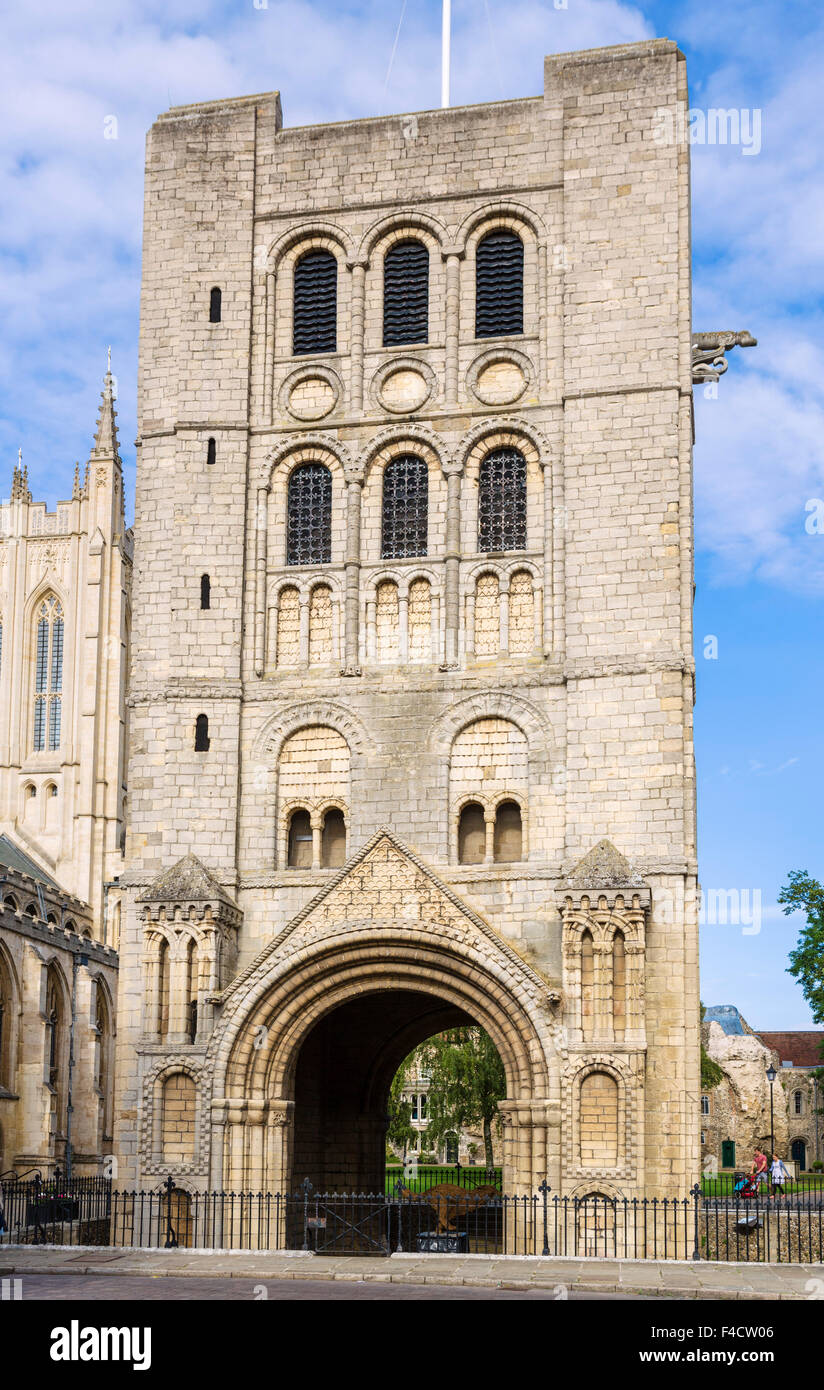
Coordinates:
(661,1278)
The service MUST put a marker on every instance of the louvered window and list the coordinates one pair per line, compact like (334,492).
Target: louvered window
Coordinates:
(502,501)
(406,294)
(405,507)
(316,303)
(499,285)
(309,522)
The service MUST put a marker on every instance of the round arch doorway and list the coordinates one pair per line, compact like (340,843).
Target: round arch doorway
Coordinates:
(307,1049)
(343,1074)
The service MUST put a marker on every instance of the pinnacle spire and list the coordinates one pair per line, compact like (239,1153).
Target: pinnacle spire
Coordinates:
(105,439)
(76,488)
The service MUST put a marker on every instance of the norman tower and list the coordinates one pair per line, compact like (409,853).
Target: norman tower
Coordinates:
(412,685)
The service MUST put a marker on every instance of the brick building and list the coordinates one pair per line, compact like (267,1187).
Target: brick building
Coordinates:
(411,695)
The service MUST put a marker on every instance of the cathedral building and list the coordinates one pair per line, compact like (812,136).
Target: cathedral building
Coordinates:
(411,685)
(65,578)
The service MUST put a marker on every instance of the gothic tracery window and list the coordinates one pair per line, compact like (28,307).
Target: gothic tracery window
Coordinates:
(48,675)
(502,501)
(405,507)
(406,293)
(315,303)
(309,516)
(499,284)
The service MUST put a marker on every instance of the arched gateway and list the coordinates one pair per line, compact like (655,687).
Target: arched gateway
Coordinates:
(313,1032)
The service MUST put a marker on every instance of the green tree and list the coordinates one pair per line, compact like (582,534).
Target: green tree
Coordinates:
(400,1131)
(466,1082)
(804,894)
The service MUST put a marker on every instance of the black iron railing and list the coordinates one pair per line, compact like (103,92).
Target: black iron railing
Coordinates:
(446,1218)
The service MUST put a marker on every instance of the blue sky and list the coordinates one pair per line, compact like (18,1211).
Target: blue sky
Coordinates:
(69,283)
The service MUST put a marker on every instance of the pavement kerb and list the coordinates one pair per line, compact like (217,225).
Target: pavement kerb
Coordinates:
(658,1279)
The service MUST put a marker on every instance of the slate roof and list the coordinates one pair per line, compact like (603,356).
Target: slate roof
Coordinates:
(13,857)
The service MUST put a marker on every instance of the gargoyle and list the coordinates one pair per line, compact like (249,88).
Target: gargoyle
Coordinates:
(708,353)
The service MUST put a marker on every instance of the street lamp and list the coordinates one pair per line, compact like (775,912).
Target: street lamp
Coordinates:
(771,1075)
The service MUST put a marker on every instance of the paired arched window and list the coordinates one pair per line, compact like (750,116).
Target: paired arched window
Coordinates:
(48,675)
(301,847)
(502,501)
(215,298)
(506,834)
(309,516)
(202,739)
(406,293)
(314,327)
(405,507)
(499,284)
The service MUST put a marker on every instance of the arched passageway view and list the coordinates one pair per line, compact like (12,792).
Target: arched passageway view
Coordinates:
(343,1076)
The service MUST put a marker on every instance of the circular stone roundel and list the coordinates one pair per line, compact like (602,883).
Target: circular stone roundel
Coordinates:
(500,383)
(403,389)
(312,397)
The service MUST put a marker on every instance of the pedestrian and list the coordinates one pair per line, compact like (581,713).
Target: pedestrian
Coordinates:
(759,1167)
(778,1175)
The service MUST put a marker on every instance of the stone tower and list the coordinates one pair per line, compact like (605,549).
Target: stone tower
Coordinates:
(412,682)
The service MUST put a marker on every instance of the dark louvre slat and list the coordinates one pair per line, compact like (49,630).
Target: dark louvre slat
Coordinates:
(405,507)
(316,303)
(309,522)
(499,285)
(502,501)
(406,294)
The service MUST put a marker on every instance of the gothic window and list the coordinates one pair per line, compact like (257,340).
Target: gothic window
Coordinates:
(405,507)
(288,639)
(799,1103)
(499,285)
(406,293)
(472,835)
(315,303)
(333,839)
(521,614)
(190,990)
(211,451)
(487,616)
(705,1105)
(48,675)
(619,986)
(205,591)
(320,625)
(202,739)
(7,1015)
(502,501)
(508,836)
(309,520)
(215,305)
(300,840)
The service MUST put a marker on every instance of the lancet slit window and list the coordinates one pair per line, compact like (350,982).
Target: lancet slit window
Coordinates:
(309,520)
(406,293)
(499,285)
(405,507)
(48,676)
(502,501)
(314,326)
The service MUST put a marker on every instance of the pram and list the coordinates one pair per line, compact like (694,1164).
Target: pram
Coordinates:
(746,1185)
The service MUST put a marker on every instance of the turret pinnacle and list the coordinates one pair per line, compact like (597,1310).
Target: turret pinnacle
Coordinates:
(20,481)
(105,440)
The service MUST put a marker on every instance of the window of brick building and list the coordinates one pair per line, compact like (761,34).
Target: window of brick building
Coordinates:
(499,285)
(314,327)
(309,519)
(406,293)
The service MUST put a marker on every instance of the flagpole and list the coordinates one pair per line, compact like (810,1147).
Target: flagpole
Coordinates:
(446,34)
